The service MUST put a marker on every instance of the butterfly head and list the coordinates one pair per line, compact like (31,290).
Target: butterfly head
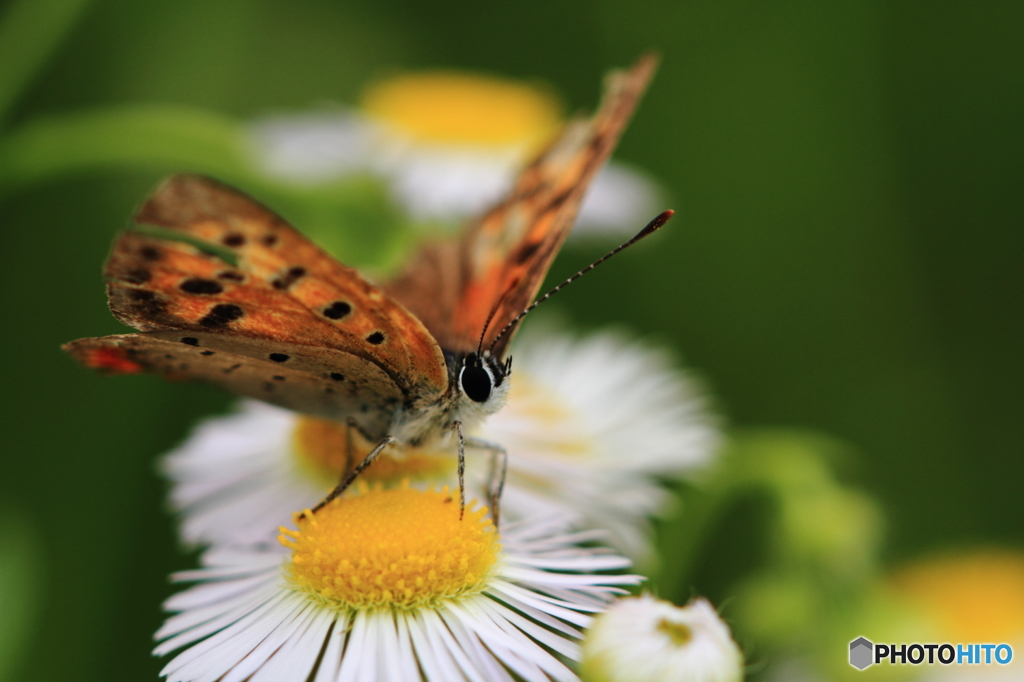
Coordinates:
(483,379)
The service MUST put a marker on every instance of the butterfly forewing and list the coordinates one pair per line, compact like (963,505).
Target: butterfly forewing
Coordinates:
(501,261)
(156,284)
(281,288)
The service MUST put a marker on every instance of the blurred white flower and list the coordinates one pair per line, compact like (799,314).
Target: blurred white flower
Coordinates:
(448,145)
(311,148)
(643,639)
(590,426)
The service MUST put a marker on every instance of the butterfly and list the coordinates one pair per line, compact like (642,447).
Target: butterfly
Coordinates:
(224,291)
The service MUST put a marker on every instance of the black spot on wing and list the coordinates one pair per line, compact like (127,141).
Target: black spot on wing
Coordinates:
(140,303)
(232,275)
(150,253)
(234,240)
(200,285)
(190,340)
(337,310)
(221,315)
(376,338)
(289,277)
(140,294)
(279,357)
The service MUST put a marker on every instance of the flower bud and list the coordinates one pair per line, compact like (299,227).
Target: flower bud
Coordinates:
(643,639)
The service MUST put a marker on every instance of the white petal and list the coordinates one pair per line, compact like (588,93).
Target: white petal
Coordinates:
(469,640)
(304,645)
(620,201)
(194,624)
(314,147)
(522,655)
(442,636)
(396,660)
(505,617)
(360,664)
(254,626)
(330,664)
(437,661)
(263,651)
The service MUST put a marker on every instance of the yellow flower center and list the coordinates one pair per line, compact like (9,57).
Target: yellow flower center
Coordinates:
(461,108)
(679,633)
(399,549)
(320,445)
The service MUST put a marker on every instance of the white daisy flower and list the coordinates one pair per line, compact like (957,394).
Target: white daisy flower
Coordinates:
(391,585)
(314,147)
(643,639)
(448,144)
(590,427)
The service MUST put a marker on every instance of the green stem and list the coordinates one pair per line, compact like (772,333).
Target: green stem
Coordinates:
(30,30)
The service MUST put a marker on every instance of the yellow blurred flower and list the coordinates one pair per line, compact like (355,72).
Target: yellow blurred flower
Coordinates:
(464,109)
(970,597)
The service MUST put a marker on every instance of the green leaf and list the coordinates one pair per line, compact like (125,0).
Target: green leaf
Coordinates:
(158,137)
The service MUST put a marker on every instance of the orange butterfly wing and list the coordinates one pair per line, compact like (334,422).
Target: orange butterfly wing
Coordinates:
(500,263)
(282,294)
(318,381)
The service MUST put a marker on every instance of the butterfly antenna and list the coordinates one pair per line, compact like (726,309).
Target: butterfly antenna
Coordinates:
(490,318)
(650,229)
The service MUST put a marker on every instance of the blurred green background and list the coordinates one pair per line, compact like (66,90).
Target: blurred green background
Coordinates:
(847,257)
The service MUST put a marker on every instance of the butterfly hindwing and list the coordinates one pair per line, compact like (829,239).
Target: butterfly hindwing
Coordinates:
(221,263)
(318,381)
(501,261)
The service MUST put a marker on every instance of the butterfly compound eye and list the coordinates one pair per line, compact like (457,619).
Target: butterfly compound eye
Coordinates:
(476,381)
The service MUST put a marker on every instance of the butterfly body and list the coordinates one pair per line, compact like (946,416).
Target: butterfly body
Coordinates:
(224,291)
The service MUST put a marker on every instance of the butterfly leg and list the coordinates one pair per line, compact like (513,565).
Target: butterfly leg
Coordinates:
(350,444)
(354,474)
(462,470)
(499,468)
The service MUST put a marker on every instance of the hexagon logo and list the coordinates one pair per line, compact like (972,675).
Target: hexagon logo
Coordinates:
(861,653)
